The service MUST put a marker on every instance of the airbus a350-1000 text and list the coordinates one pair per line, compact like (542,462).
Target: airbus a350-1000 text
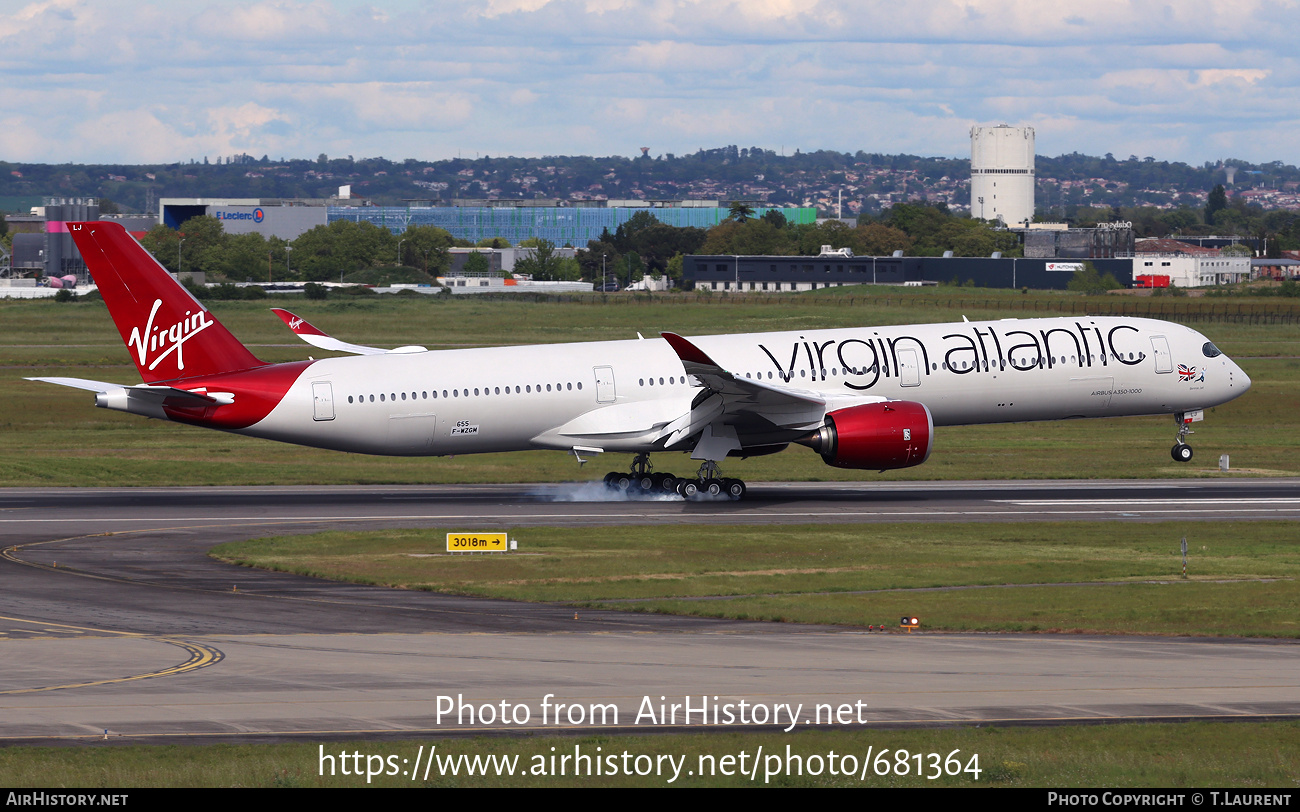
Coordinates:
(866,398)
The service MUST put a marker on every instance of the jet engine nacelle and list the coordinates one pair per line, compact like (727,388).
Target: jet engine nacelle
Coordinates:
(880,436)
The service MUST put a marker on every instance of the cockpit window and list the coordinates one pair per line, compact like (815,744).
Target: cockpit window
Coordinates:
(1210,350)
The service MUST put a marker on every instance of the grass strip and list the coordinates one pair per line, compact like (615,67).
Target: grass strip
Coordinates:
(1078,577)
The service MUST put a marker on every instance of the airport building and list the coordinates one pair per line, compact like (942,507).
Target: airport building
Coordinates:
(573,223)
(501,261)
(286,219)
(1185,265)
(41,242)
(1059,241)
(773,274)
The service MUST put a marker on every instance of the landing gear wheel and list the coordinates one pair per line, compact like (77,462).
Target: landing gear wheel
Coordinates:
(1181,451)
(667,483)
(623,482)
(688,489)
(735,489)
(646,482)
(713,487)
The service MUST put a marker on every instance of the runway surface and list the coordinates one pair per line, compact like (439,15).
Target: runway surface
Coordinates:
(112,618)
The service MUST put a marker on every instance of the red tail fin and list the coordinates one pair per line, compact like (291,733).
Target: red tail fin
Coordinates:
(168,332)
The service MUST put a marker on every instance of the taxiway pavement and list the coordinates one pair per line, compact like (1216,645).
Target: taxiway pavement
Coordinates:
(112,618)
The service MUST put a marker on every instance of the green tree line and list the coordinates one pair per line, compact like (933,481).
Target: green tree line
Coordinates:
(326,253)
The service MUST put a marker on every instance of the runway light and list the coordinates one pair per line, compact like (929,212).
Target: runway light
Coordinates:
(908,622)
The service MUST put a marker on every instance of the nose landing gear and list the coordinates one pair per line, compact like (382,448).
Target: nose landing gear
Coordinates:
(1182,452)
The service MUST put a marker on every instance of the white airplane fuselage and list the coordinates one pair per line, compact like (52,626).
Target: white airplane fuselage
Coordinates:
(619,395)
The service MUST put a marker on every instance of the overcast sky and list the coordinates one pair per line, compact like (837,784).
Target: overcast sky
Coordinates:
(144,81)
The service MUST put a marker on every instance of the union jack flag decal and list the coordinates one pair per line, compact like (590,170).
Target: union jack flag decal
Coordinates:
(1186,373)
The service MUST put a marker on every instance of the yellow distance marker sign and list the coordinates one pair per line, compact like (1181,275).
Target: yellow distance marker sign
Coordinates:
(477,543)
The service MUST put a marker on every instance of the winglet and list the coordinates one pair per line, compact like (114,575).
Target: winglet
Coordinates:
(319,338)
(299,325)
(688,352)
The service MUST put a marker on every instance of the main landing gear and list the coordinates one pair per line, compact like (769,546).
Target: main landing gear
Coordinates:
(708,483)
(1182,452)
(642,480)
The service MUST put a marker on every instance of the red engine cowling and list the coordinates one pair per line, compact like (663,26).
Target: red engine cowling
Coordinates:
(880,436)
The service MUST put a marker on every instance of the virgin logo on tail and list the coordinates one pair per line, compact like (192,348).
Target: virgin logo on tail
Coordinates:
(167,339)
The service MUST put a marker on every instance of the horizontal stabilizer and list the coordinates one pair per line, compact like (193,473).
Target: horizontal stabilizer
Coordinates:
(144,399)
(180,397)
(80,383)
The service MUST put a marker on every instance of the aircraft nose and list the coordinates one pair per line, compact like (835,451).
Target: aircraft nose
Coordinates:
(1240,375)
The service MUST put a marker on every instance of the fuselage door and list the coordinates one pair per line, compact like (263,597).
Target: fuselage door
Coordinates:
(909,369)
(322,396)
(604,384)
(1164,361)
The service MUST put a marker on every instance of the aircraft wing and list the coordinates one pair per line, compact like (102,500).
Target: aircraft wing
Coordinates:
(785,407)
(741,406)
(318,338)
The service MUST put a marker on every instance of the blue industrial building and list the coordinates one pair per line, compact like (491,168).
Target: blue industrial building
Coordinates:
(562,225)
(574,225)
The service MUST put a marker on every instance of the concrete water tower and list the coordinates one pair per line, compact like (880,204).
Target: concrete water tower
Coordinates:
(1002,174)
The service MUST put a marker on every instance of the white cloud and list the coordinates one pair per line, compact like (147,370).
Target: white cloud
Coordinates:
(372,106)
(22,141)
(523,97)
(495,8)
(138,136)
(1218,76)
(600,76)
(274,21)
(31,16)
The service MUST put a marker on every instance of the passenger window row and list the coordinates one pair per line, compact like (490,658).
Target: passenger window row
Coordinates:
(486,391)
